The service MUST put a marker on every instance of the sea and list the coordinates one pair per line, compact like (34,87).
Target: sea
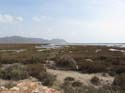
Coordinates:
(121,45)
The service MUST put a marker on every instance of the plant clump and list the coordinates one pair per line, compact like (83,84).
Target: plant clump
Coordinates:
(95,80)
(14,72)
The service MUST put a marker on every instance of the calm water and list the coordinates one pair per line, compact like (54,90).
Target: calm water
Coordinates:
(101,44)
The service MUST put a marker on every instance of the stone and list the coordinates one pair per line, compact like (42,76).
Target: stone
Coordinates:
(14,89)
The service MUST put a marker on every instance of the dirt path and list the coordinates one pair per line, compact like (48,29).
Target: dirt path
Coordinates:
(85,78)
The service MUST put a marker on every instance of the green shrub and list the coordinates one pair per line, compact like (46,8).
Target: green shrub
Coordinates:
(14,72)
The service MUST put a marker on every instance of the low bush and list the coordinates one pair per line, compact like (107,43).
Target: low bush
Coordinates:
(66,62)
(102,57)
(34,70)
(38,71)
(119,81)
(69,79)
(8,61)
(77,84)
(9,85)
(92,67)
(34,60)
(118,69)
(47,79)
(73,87)
(95,80)
(14,72)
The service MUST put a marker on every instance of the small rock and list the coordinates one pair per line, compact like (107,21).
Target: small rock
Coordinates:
(98,50)
(3,88)
(36,91)
(14,89)
(25,88)
(89,60)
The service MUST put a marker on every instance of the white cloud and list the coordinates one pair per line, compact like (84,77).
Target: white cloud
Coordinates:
(9,19)
(19,19)
(39,18)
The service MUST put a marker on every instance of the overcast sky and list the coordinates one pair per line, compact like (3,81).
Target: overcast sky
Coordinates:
(81,21)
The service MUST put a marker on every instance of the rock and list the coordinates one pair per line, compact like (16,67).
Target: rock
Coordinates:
(3,88)
(24,88)
(70,51)
(50,63)
(36,91)
(14,89)
(98,50)
(28,86)
(89,60)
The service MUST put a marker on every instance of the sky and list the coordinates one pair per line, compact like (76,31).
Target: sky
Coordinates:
(76,21)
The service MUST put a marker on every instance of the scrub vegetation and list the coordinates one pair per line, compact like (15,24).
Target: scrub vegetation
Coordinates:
(21,61)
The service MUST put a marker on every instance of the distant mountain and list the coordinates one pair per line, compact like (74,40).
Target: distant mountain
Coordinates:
(19,39)
(58,41)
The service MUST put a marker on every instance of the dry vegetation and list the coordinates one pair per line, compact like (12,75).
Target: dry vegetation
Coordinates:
(81,59)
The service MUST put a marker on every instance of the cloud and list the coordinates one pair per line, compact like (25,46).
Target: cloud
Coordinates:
(39,18)
(9,19)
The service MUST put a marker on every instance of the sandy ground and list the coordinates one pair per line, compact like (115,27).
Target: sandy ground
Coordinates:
(85,78)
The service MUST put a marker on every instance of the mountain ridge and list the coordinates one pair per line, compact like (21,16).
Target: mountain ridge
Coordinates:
(20,39)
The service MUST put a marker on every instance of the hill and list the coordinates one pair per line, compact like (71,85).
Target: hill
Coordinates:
(19,39)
